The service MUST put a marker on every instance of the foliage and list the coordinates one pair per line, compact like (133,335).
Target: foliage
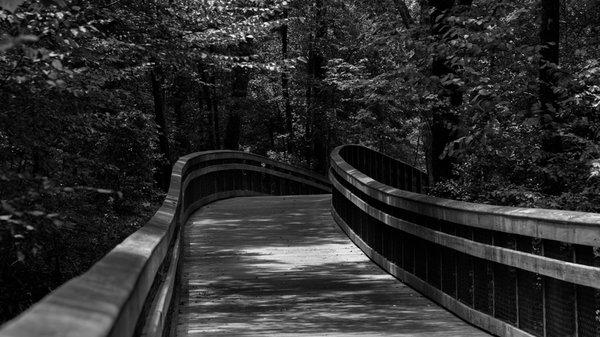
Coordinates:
(494,58)
(77,121)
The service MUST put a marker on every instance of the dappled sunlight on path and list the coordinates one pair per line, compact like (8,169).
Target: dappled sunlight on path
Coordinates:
(280,266)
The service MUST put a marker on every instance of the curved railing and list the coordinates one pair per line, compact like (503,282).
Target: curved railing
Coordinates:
(511,271)
(130,291)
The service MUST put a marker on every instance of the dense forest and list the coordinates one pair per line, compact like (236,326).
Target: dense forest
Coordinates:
(498,100)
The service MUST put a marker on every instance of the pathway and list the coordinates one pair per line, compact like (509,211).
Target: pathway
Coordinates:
(280,266)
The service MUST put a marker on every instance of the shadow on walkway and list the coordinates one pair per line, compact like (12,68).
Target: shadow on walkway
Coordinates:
(280,266)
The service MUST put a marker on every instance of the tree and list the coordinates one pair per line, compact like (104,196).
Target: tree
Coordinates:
(158,92)
(285,88)
(548,76)
(444,126)
(404,13)
(316,95)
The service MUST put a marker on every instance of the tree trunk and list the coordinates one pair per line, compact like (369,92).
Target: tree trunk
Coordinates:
(549,40)
(158,93)
(204,95)
(316,95)
(179,97)
(444,126)
(241,78)
(214,109)
(424,15)
(549,59)
(233,130)
(285,90)
(208,94)
(404,13)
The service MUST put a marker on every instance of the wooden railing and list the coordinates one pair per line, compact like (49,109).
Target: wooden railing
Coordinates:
(511,271)
(130,291)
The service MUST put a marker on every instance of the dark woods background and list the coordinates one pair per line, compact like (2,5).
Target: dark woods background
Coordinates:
(497,100)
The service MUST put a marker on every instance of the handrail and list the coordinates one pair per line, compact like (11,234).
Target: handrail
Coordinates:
(511,271)
(130,291)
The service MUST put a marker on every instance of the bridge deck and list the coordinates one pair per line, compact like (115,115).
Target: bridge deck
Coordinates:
(281,266)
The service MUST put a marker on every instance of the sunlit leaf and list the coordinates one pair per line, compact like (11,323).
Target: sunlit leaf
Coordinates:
(57,65)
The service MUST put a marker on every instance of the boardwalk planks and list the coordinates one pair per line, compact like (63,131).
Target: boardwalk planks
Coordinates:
(280,266)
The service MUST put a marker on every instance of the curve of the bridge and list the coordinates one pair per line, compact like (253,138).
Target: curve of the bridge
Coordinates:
(513,272)
(280,266)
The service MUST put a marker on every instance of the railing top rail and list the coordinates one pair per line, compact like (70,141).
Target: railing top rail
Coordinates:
(215,154)
(567,226)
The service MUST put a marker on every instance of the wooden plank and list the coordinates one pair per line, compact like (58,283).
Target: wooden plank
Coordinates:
(280,266)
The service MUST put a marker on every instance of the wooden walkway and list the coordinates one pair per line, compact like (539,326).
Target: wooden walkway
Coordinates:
(280,266)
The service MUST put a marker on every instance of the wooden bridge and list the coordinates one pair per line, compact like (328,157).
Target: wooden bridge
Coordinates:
(244,246)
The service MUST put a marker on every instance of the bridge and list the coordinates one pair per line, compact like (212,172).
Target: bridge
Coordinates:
(244,245)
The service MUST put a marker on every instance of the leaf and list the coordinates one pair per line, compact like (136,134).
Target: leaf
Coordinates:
(533,121)
(10,5)
(57,65)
